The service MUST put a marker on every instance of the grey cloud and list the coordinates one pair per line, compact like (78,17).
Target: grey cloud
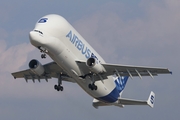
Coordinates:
(153,33)
(14,57)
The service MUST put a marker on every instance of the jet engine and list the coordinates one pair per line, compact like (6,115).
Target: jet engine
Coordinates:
(36,67)
(95,66)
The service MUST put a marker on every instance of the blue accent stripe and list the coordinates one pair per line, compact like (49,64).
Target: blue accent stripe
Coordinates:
(111,97)
(115,93)
(121,83)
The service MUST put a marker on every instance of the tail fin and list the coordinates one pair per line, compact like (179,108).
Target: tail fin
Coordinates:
(121,83)
(151,99)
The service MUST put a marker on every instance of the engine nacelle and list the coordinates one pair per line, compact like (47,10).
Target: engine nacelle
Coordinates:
(95,66)
(36,67)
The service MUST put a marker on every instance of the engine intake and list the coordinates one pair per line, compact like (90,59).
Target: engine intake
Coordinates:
(36,67)
(95,66)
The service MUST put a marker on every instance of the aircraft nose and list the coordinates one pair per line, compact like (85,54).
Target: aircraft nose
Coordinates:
(32,35)
(35,38)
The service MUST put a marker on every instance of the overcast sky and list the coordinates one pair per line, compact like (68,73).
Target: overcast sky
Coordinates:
(139,32)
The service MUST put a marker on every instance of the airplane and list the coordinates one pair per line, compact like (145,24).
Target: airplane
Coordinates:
(74,60)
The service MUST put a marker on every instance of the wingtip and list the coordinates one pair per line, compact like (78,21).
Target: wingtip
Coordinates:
(13,76)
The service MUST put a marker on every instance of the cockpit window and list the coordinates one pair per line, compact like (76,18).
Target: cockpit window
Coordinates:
(38,31)
(43,20)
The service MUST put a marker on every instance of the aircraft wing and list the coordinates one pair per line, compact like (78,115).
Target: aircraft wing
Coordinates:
(127,70)
(51,71)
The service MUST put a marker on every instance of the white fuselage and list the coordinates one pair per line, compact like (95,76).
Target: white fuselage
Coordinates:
(66,46)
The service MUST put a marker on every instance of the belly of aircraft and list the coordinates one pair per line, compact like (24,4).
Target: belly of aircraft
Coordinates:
(103,93)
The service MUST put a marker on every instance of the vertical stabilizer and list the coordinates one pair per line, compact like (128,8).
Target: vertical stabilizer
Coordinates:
(151,99)
(121,83)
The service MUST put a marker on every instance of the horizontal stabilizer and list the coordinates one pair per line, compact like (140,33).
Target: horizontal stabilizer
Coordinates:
(149,102)
(151,99)
(97,104)
(123,101)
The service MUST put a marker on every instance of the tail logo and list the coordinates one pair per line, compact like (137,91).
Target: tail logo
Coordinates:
(152,99)
(121,83)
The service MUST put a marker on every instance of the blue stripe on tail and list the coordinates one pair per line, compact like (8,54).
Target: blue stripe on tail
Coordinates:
(121,83)
(115,93)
